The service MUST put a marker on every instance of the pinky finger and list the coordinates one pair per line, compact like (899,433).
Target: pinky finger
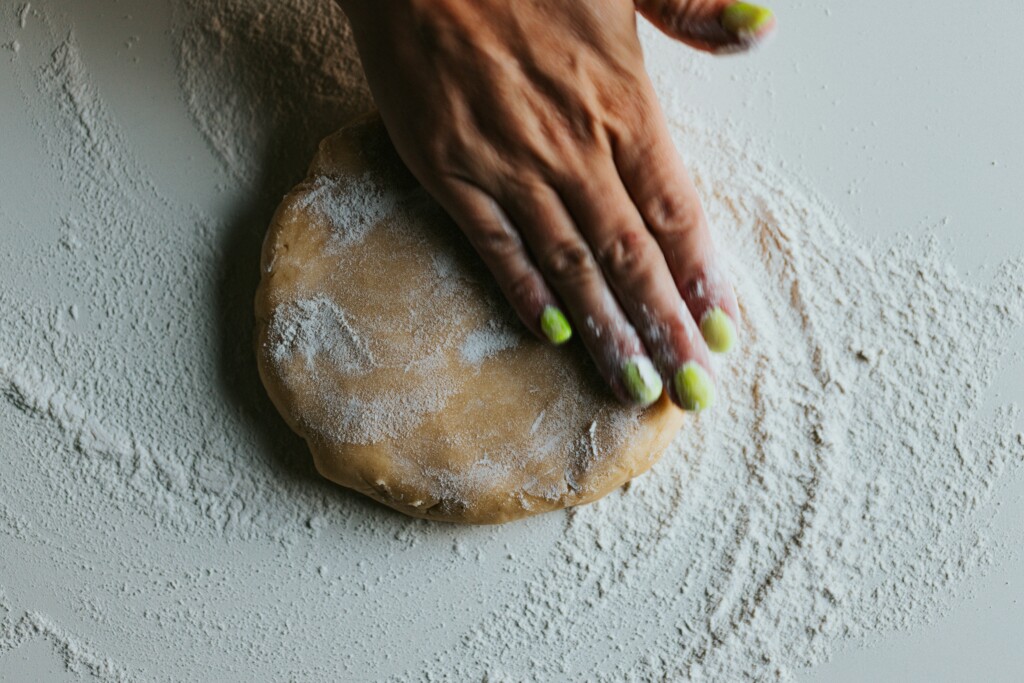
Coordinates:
(498,243)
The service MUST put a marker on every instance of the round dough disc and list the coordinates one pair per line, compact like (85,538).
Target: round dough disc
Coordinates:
(385,344)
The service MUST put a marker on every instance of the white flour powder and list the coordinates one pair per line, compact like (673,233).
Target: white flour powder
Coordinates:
(158,521)
(315,326)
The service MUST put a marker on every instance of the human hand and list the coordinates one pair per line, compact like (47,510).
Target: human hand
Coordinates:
(535,126)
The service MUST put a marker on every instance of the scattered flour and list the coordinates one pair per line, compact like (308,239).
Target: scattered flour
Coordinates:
(352,207)
(317,326)
(151,495)
(487,341)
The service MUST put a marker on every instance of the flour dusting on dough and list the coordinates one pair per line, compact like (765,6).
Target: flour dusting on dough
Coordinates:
(311,327)
(350,204)
(486,341)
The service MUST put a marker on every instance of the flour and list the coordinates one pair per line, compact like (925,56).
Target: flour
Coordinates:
(352,207)
(317,326)
(487,341)
(151,495)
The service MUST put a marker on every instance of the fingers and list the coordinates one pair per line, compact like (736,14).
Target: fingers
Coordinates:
(566,261)
(627,251)
(664,194)
(497,242)
(712,25)
(632,263)
(594,252)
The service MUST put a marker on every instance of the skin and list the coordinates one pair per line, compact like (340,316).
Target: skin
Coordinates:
(536,127)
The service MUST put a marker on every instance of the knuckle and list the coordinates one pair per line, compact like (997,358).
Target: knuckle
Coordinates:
(671,215)
(567,262)
(495,240)
(625,255)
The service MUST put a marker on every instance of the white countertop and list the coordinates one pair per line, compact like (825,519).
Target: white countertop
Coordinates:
(906,116)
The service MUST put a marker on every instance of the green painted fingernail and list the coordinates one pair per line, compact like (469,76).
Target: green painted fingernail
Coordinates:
(718,330)
(741,18)
(642,381)
(555,325)
(694,387)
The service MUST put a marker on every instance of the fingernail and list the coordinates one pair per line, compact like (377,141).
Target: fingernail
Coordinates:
(694,387)
(642,380)
(555,325)
(718,330)
(743,18)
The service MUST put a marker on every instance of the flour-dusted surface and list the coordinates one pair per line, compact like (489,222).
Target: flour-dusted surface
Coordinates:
(844,488)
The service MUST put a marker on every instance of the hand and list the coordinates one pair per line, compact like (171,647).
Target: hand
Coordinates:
(534,124)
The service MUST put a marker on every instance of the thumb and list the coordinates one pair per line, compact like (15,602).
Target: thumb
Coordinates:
(711,25)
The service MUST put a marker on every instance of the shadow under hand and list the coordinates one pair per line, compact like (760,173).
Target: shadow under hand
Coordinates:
(265,82)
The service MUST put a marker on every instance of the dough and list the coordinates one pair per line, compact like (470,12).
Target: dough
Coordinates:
(383,341)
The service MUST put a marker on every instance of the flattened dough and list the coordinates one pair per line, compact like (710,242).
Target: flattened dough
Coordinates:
(384,343)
